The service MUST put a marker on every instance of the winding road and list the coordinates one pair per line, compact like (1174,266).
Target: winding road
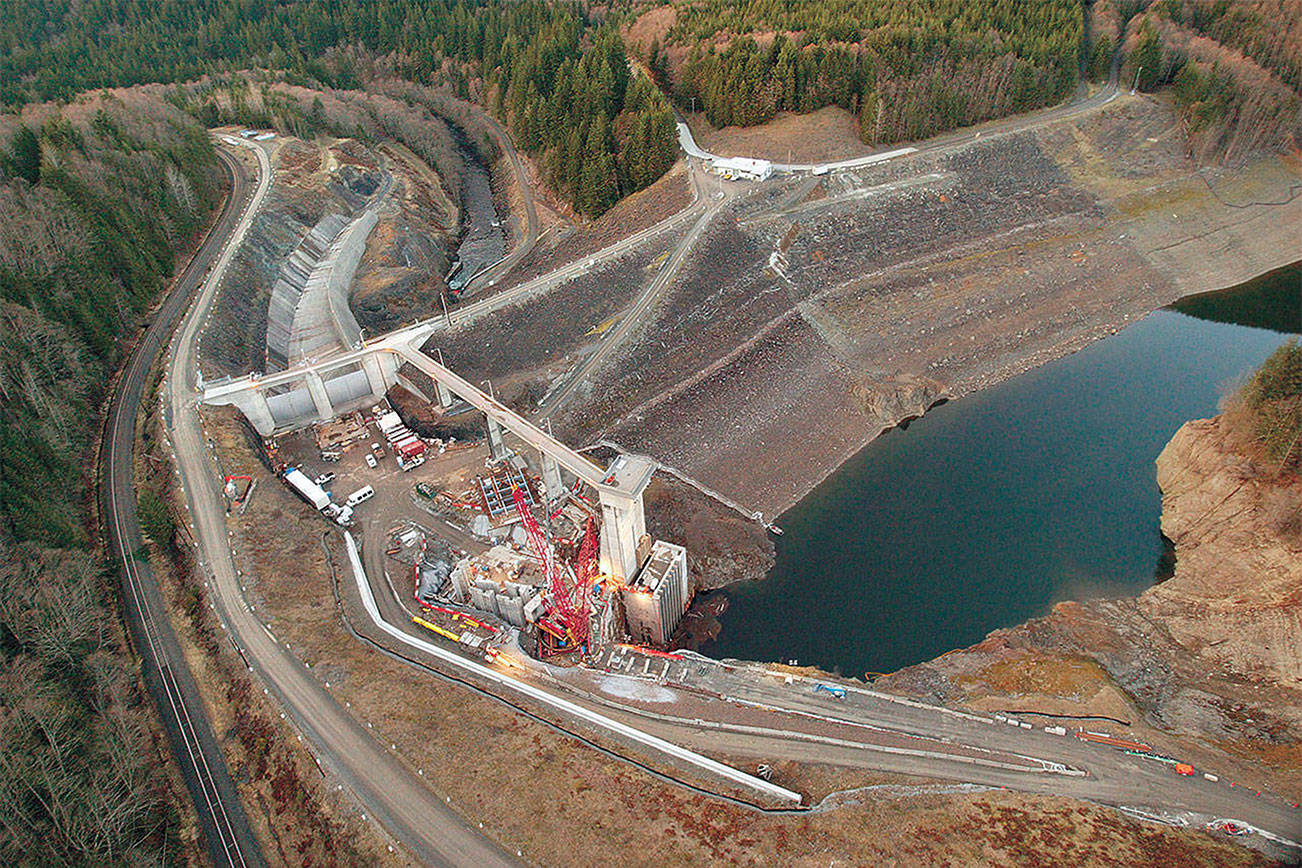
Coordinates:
(226,830)
(386,789)
(437,835)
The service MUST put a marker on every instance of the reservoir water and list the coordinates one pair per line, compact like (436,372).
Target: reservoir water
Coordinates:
(990,509)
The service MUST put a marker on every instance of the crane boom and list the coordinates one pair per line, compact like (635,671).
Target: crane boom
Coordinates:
(569,601)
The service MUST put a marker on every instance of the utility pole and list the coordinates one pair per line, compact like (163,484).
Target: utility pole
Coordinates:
(443,298)
(1136,84)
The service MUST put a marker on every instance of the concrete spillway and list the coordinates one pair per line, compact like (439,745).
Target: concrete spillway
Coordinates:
(287,293)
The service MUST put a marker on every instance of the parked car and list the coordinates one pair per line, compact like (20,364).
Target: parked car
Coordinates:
(325,478)
(370,460)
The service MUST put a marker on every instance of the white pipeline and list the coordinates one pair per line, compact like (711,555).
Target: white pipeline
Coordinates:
(615,727)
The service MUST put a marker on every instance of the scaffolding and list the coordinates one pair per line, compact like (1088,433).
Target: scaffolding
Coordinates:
(496,490)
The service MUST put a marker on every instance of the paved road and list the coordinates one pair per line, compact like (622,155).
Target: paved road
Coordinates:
(865,728)
(1017,123)
(387,789)
(226,830)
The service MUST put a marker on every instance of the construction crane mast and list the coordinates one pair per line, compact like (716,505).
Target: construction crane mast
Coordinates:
(571,601)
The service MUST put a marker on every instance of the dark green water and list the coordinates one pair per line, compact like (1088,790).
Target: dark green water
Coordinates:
(990,509)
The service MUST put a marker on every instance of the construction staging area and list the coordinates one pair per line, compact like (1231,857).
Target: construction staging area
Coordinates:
(543,572)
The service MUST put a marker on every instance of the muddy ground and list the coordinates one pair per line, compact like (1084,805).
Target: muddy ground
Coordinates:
(410,249)
(829,134)
(723,546)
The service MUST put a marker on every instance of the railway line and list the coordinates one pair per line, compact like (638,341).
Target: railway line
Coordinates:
(416,817)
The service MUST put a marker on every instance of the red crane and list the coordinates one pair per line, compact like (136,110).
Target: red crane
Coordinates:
(585,565)
(570,602)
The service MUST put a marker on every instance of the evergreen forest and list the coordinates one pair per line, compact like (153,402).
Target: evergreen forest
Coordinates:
(96,197)
(907,69)
(559,79)
(101,189)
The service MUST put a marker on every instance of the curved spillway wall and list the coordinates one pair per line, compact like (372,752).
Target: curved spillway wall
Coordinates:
(323,321)
(295,272)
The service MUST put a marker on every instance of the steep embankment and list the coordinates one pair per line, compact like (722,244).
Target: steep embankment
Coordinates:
(1212,653)
(1235,601)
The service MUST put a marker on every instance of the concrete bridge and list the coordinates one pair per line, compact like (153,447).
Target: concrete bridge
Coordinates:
(320,390)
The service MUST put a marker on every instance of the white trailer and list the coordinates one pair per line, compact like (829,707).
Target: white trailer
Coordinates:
(307,489)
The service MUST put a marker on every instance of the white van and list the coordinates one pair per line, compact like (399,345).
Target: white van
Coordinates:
(361,495)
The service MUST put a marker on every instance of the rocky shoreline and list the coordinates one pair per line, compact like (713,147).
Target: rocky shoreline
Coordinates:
(1211,655)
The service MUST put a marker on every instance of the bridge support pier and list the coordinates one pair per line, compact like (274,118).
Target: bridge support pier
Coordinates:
(444,395)
(623,524)
(253,404)
(381,372)
(496,444)
(320,397)
(551,476)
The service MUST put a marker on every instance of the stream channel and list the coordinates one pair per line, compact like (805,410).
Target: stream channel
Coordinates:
(484,239)
(990,509)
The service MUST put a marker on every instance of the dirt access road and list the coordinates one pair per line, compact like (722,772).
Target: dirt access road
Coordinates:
(435,834)
(717,196)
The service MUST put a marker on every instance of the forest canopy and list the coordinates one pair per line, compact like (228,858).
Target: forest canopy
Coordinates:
(96,197)
(907,68)
(1234,69)
(559,80)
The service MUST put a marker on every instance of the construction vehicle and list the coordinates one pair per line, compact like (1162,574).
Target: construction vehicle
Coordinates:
(570,600)
(837,692)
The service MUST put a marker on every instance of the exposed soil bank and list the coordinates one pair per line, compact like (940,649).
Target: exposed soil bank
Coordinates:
(723,547)
(781,350)
(1213,652)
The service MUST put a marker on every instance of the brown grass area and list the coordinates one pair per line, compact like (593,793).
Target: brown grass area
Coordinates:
(295,816)
(1051,684)
(650,26)
(830,133)
(1039,673)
